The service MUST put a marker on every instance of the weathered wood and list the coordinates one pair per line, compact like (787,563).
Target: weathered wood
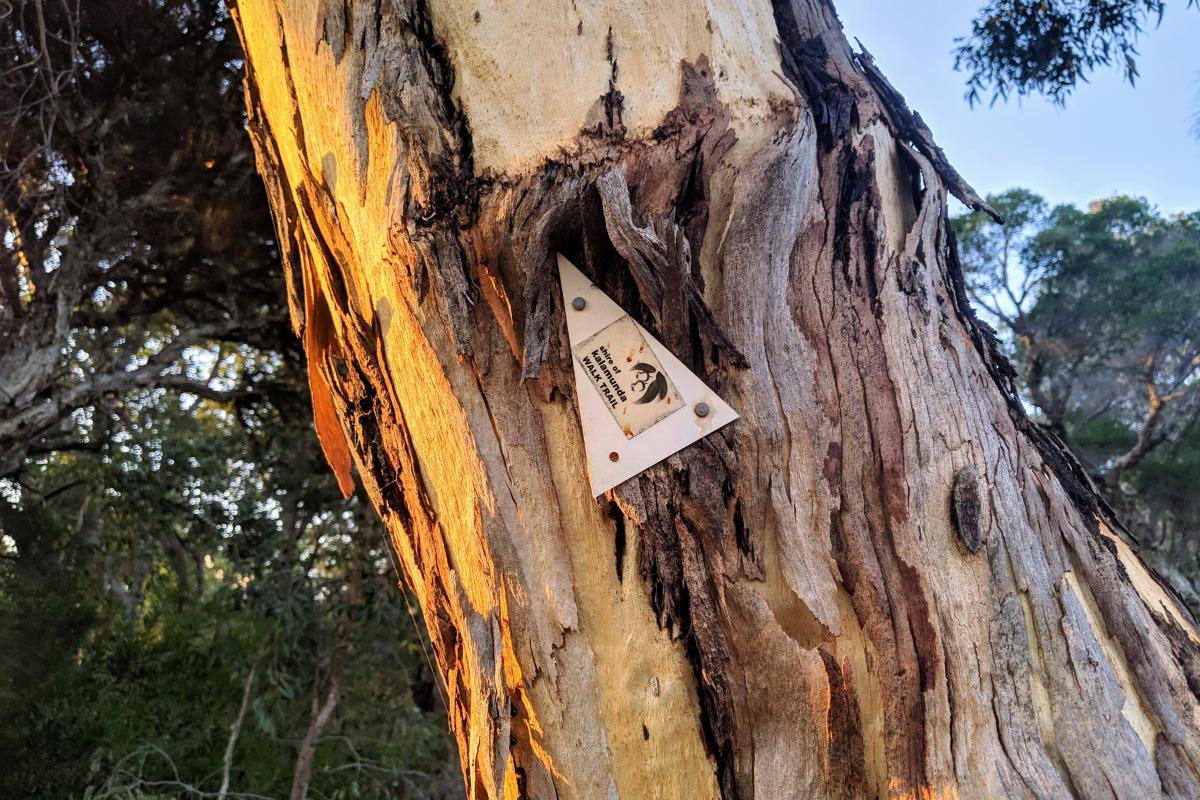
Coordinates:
(883,581)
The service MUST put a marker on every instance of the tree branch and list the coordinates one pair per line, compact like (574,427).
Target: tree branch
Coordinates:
(234,731)
(333,694)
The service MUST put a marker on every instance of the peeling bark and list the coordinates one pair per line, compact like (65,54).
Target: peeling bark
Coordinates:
(884,581)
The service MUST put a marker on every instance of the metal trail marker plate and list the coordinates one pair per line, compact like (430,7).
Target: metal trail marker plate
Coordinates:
(638,403)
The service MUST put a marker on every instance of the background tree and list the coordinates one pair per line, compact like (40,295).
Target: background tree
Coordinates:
(1102,311)
(133,222)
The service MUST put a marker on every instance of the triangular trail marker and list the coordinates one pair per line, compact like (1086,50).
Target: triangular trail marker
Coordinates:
(638,403)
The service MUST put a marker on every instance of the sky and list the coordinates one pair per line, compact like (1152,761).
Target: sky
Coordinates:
(1110,139)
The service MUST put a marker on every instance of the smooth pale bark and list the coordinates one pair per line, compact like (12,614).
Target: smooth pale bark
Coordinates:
(883,581)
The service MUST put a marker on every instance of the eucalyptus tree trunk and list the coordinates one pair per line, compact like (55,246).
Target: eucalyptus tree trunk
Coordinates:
(882,581)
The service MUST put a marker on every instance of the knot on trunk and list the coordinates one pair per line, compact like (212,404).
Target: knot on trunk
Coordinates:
(966,509)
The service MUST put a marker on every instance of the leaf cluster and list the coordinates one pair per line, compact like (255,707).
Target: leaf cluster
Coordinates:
(1022,47)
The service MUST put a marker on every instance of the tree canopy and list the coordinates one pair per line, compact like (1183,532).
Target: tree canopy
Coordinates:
(147,588)
(134,224)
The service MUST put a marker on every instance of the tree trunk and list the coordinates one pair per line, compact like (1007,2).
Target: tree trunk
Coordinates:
(882,581)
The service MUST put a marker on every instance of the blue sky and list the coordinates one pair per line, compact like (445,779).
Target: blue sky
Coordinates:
(1111,138)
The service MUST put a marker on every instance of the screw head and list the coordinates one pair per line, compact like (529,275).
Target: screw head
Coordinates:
(614,456)
(701,409)
(579,304)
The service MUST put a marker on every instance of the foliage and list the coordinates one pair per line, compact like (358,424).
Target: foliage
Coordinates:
(1101,312)
(1023,47)
(126,661)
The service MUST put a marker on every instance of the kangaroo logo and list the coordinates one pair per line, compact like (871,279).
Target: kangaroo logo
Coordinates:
(651,382)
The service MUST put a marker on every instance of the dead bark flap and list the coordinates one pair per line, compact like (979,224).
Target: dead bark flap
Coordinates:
(911,127)
(659,256)
(804,61)
(317,344)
